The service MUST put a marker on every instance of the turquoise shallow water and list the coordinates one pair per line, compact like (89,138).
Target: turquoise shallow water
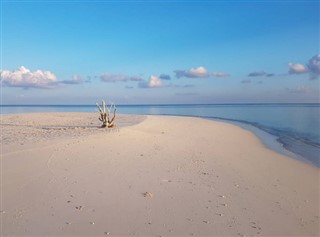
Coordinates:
(295,126)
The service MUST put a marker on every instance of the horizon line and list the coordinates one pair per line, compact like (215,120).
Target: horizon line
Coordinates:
(262,103)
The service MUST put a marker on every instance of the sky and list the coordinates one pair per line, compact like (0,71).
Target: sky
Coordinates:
(159,52)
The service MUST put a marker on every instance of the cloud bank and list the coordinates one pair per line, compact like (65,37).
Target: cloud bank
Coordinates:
(108,77)
(220,74)
(199,72)
(165,77)
(314,66)
(76,79)
(260,74)
(23,77)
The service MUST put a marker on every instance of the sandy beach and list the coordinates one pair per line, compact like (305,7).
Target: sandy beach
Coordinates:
(62,175)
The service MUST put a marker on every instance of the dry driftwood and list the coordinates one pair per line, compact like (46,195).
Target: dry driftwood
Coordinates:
(105,113)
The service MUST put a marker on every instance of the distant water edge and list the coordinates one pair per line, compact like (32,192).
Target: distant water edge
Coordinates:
(296,127)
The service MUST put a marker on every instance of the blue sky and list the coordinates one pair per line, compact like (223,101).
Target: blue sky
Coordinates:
(159,52)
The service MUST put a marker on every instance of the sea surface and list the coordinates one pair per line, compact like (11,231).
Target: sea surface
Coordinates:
(292,129)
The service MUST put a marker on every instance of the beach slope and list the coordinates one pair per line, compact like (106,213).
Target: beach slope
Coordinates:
(61,175)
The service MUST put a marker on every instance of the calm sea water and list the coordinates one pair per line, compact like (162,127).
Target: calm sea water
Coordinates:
(295,126)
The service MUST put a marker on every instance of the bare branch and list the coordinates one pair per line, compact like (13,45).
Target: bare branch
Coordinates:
(105,114)
(104,106)
(99,107)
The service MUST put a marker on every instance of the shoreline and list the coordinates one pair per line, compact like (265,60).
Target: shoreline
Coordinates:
(164,175)
(268,139)
(266,136)
(275,142)
(271,140)
(296,142)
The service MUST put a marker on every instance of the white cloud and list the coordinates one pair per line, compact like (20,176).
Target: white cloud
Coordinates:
(23,77)
(108,77)
(199,72)
(153,82)
(297,68)
(313,67)
(76,79)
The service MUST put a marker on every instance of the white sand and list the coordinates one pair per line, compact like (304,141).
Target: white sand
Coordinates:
(62,176)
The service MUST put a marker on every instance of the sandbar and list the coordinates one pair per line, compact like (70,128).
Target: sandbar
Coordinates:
(62,175)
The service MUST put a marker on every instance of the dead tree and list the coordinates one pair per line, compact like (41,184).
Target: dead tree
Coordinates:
(105,114)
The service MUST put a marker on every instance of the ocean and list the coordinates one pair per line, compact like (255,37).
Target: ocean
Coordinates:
(291,129)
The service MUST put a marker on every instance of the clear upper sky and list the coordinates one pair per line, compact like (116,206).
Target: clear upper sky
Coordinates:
(142,52)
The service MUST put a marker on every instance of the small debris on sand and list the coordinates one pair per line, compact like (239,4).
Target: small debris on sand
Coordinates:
(148,194)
